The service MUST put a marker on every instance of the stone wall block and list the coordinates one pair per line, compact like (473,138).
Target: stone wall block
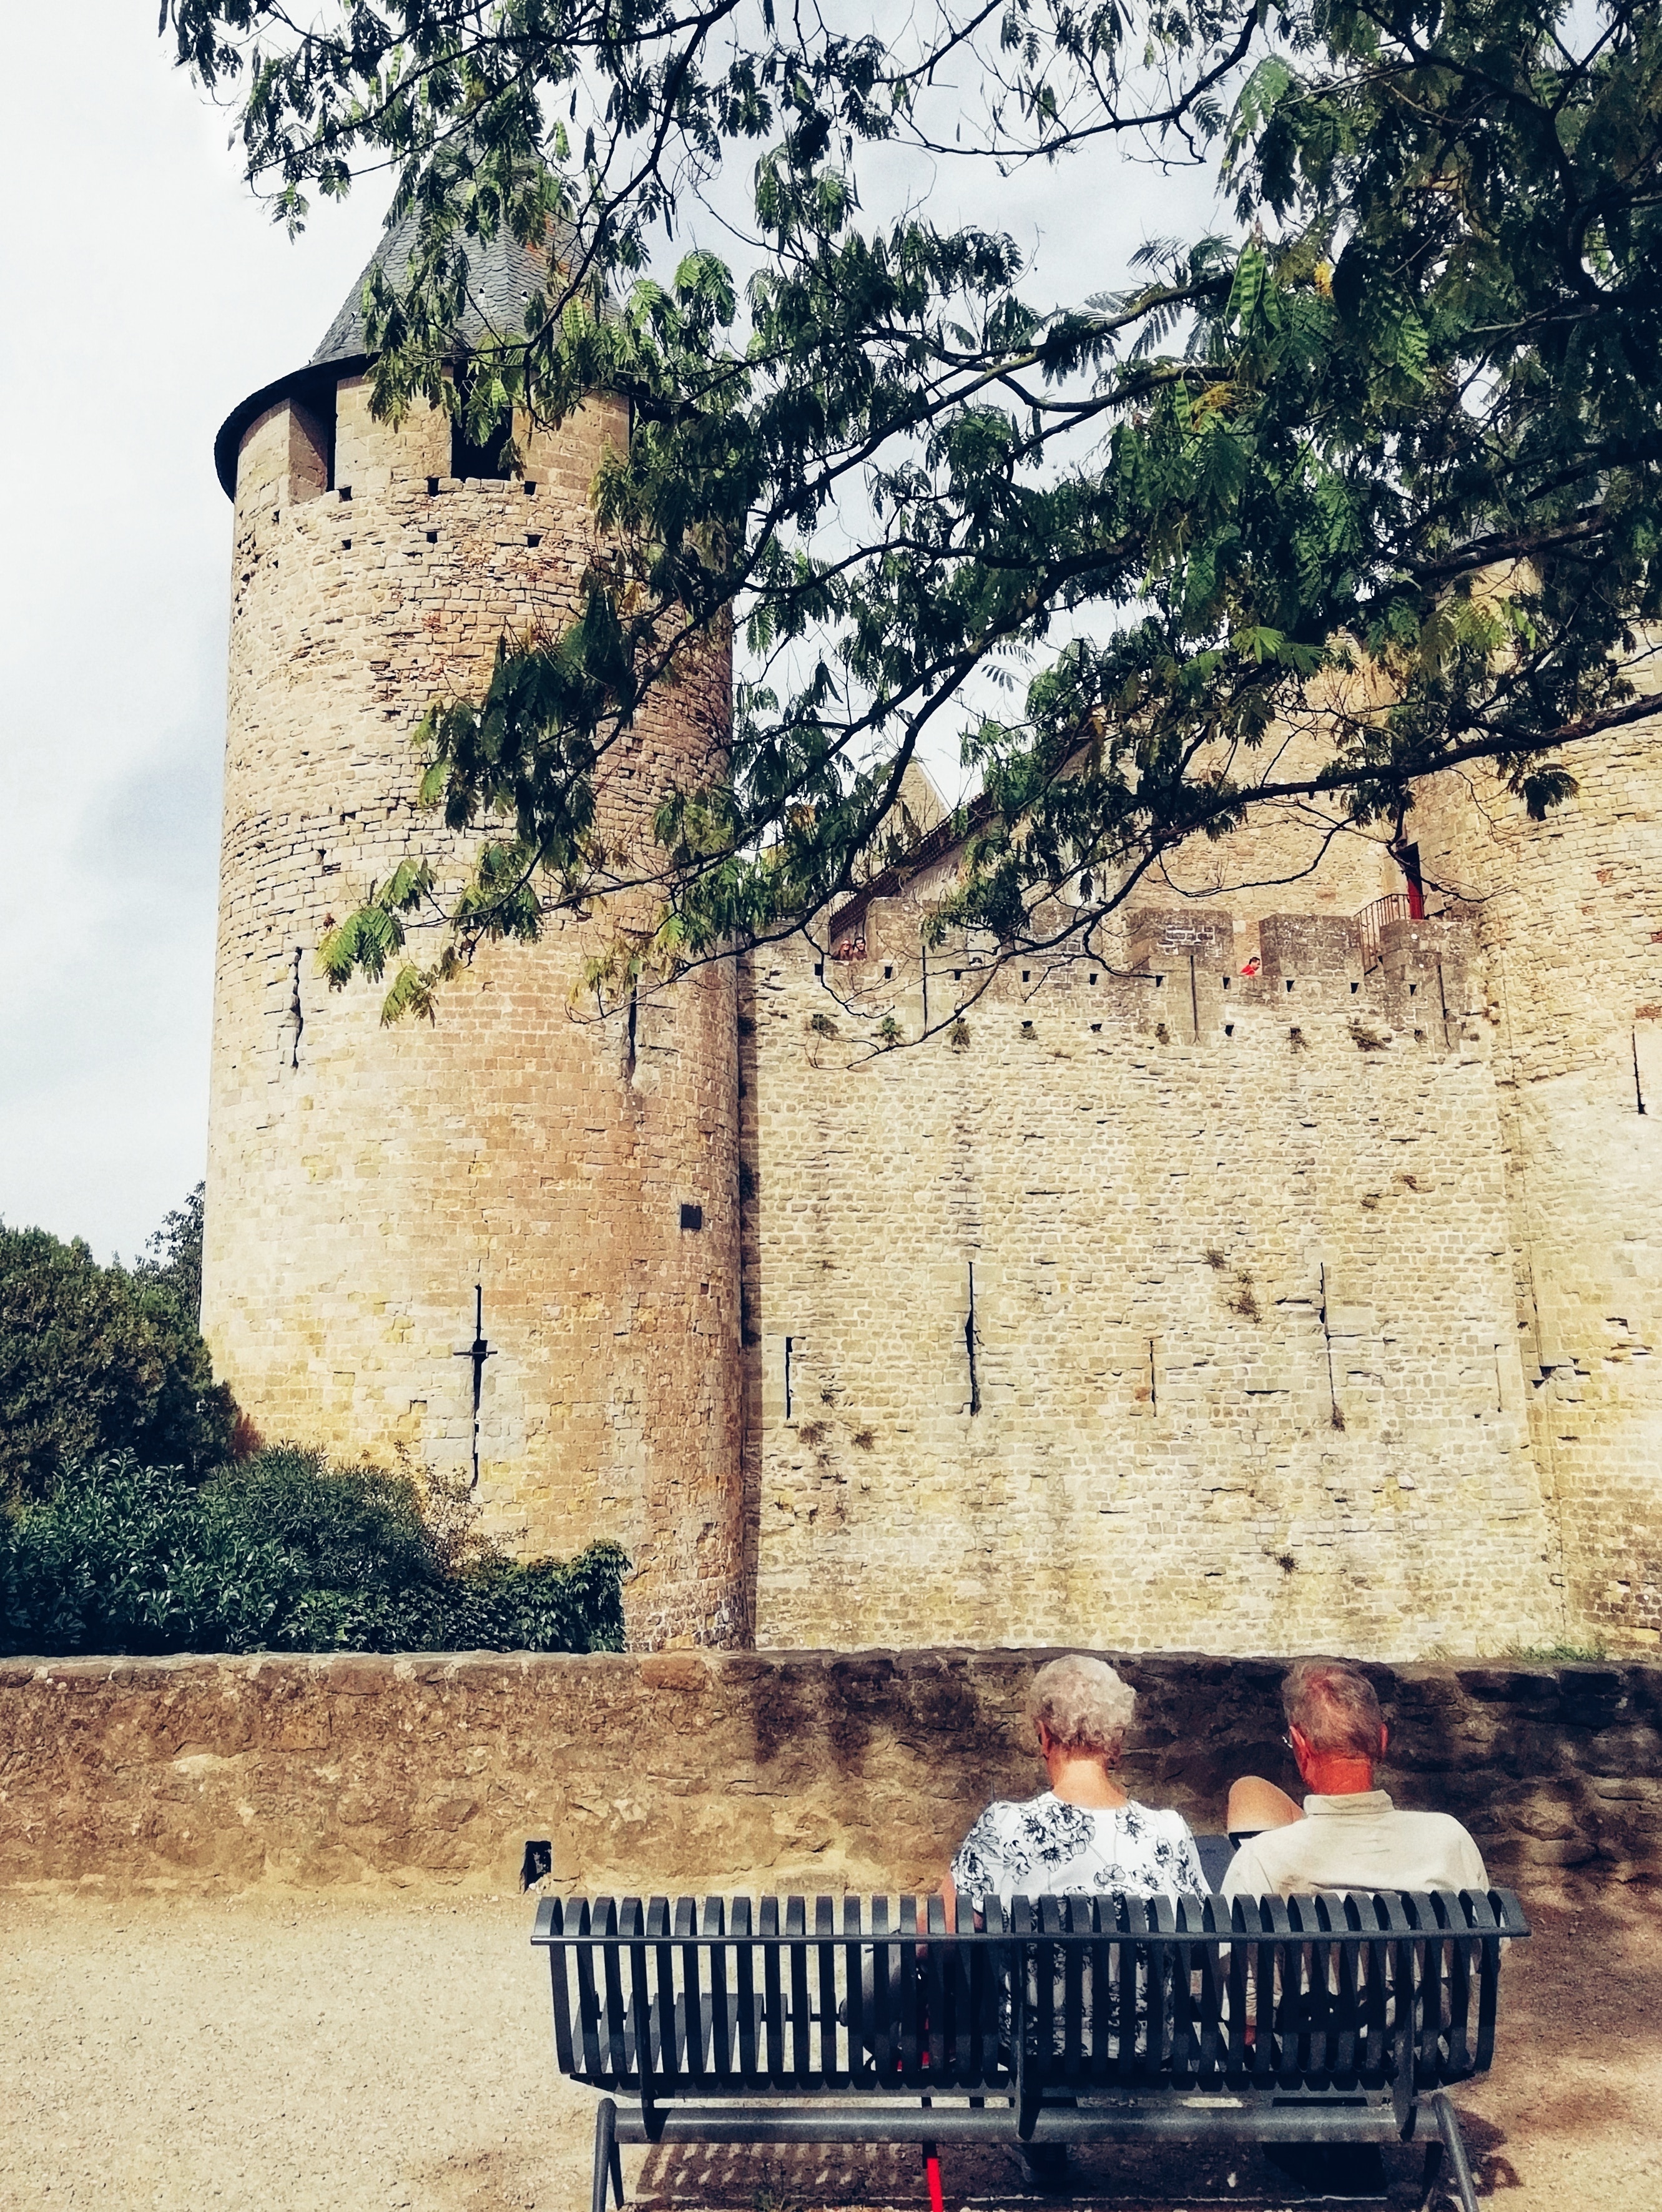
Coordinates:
(1317,945)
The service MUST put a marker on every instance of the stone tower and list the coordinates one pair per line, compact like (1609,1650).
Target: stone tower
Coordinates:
(581,1171)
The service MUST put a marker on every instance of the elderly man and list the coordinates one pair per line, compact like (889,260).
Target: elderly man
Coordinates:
(1348,1835)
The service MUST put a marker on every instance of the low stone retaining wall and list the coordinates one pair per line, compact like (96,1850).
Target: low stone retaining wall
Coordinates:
(808,1769)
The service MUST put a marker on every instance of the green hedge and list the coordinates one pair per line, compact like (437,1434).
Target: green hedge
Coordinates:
(283,1552)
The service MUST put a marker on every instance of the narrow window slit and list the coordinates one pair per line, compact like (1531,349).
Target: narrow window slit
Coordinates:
(970,1345)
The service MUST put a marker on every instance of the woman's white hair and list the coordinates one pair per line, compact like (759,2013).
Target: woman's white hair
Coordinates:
(1084,1704)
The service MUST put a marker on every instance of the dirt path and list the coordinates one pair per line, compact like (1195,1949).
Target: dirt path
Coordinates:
(334,2054)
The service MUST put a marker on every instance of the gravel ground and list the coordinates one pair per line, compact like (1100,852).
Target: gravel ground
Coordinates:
(338,2054)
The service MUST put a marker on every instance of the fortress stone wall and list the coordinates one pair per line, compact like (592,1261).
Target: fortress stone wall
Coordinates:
(1275,1272)
(1567,919)
(1246,1366)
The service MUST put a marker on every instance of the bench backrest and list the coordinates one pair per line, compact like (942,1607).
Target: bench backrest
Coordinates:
(724,1995)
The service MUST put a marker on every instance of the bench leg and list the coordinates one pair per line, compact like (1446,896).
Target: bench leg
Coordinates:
(1433,2167)
(1448,2126)
(608,2164)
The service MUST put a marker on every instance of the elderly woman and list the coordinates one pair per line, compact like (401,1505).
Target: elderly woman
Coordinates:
(1083,1836)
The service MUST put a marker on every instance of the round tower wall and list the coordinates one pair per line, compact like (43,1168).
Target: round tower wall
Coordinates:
(362,1180)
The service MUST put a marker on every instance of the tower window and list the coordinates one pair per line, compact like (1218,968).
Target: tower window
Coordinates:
(692,1217)
(483,459)
(312,441)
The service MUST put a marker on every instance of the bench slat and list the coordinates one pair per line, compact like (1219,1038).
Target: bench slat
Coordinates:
(748,2009)
(668,2049)
(824,1924)
(723,2020)
(773,2008)
(588,2010)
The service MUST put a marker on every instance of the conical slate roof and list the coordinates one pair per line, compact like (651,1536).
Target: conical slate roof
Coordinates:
(502,276)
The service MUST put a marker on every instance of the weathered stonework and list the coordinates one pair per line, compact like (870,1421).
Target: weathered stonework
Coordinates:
(1246,1367)
(362,1180)
(813,1770)
(1567,919)
(1315,1294)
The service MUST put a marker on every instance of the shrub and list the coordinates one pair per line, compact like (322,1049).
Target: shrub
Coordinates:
(99,1359)
(283,1553)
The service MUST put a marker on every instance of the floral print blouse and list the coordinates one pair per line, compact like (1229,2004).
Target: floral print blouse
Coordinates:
(1046,1848)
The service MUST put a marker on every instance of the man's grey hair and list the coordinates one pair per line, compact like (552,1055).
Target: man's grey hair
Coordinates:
(1333,1707)
(1084,1704)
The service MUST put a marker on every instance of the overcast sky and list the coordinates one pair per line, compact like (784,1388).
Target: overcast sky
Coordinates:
(144,293)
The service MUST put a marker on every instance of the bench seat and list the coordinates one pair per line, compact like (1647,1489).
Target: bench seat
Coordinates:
(1068,2019)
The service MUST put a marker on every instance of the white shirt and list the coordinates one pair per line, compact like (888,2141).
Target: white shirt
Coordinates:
(1047,1848)
(1359,1841)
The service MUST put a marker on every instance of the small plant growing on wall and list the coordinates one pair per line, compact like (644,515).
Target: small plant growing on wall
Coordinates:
(821,1025)
(888,1032)
(864,1439)
(1243,1299)
(958,1035)
(1162,1034)
(1216,1259)
(1367,1038)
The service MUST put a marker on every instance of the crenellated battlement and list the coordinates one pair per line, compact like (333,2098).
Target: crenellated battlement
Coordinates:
(1180,978)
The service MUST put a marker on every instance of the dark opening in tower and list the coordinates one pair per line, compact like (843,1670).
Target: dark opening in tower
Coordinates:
(1408,859)
(312,445)
(484,458)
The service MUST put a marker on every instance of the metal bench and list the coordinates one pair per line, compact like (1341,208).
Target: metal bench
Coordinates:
(1069,2020)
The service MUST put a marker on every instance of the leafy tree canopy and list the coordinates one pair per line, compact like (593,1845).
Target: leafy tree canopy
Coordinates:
(95,1359)
(170,1265)
(1389,443)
